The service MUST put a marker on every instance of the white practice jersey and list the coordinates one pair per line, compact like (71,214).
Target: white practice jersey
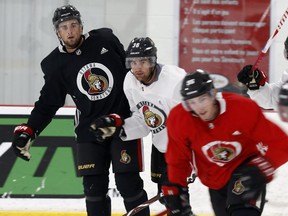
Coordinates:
(151,104)
(267,95)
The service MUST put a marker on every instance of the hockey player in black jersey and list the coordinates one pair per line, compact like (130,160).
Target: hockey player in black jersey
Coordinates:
(90,68)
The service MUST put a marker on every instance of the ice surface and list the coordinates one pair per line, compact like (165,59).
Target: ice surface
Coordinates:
(277,193)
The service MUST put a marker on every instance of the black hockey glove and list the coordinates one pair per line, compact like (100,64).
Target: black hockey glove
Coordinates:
(265,167)
(176,200)
(249,179)
(23,136)
(105,126)
(252,81)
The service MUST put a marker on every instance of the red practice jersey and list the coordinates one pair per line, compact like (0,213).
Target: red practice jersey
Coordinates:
(215,148)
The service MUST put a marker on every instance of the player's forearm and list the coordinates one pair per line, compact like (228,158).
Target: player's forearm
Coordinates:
(134,128)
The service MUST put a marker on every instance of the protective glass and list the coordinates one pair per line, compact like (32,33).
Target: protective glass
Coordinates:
(65,26)
(140,62)
(194,103)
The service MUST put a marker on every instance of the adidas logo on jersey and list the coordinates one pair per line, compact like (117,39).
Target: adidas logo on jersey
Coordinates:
(236,133)
(103,50)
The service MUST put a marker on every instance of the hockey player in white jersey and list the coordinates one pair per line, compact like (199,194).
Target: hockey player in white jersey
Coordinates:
(283,102)
(152,90)
(265,94)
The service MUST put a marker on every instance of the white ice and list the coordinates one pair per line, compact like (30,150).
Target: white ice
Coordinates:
(277,193)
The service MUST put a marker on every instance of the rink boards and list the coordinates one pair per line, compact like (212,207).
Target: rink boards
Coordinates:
(61,214)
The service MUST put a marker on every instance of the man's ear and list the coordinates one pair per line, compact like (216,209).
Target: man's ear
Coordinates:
(213,92)
(58,34)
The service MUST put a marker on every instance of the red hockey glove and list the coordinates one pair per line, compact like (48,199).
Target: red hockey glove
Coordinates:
(245,77)
(105,126)
(23,135)
(264,166)
(176,200)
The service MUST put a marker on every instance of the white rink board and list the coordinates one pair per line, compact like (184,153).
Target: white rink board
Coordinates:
(277,191)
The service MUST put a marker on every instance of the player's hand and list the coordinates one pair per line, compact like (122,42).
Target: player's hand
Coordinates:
(23,135)
(264,166)
(176,200)
(105,126)
(252,80)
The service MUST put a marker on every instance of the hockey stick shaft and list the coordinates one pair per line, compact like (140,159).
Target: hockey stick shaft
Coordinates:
(154,199)
(270,40)
(143,205)
(252,84)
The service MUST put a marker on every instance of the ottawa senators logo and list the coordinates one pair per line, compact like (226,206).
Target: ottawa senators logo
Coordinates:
(125,157)
(154,116)
(221,152)
(153,120)
(238,188)
(95,80)
(97,83)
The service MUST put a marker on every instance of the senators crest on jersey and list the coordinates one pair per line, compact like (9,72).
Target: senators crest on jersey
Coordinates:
(154,117)
(238,187)
(221,152)
(125,157)
(95,80)
(97,83)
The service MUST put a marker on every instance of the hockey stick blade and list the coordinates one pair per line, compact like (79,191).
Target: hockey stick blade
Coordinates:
(143,205)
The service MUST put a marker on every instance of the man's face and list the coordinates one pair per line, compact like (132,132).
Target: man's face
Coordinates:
(204,106)
(70,32)
(141,68)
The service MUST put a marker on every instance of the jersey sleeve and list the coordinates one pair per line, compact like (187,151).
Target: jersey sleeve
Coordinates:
(179,154)
(271,140)
(176,96)
(134,127)
(267,95)
(52,97)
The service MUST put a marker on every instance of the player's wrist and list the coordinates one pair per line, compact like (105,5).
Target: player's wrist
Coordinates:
(265,167)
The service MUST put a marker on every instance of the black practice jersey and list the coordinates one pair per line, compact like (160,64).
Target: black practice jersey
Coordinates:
(93,75)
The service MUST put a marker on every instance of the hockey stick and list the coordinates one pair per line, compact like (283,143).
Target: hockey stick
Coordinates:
(162,213)
(140,207)
(284,17)
(143,205)
(271,39)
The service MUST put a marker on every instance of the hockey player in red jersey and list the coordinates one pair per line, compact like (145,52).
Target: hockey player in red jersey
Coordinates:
(228,142)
